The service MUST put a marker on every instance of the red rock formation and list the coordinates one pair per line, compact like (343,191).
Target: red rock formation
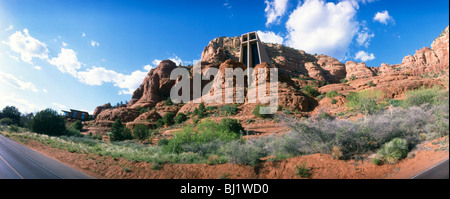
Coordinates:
(155,87)
(101,108)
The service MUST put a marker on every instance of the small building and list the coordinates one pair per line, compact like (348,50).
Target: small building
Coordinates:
(76,114)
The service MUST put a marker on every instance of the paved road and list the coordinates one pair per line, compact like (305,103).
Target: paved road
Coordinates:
(20,162)
(439,171)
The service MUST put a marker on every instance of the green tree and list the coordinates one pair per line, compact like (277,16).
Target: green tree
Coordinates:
(78,125)
(120,132)
(48,122)
(141,132)
(168,119)
(12,113)
(180,118)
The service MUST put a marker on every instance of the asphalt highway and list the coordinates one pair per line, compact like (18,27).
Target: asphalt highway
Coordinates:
(20,162)
(439,171)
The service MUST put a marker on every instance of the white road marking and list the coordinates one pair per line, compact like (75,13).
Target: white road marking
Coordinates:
(17,173)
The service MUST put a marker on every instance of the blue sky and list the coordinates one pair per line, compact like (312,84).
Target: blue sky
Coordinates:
(83,53)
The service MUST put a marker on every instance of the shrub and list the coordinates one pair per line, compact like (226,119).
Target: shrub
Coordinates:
(141,132)
(393,151)
(72,131)
(376,161)
(396,103)
(163,142)
(169,119)
(203,138)
(6,121)
(229,110)
(242,153)
(332,94)
(336,153)
(168,102)
(13,128)
(159,123)
(257,112)
(333,101)
(302,171)
(78,125)
(232,125)
(311,91)
(119,132)
(364,101)
(180,118)
(48,122)
(422,96)
(344,80)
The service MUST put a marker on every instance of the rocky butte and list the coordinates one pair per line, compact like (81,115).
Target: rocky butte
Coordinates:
(296,70)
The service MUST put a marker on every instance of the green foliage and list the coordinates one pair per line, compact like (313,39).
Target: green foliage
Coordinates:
(424,96)
(311,91)
(211,108)
(332,94)
(371,84)
(6,121)
(228,110)
(48,122)
(239,152)
(163,142)
(232,125)
(180,118)
(169,119)
(365,101)
(12,113)
(302,171)
(202,106)
(120,132)
(393,151)
(159,123)
(206,131)
(72,131)
(141,132)
(257,112)
(396,103)
(343,80)
(78,125)
(168,102)
(13,128)
(333,101)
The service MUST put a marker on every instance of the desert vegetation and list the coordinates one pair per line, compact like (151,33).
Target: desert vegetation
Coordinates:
(390,129)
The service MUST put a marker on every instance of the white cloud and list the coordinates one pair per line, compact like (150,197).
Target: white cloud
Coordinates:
(275,10)
(148,67)
(174,58)
(270,37)
(83,34)
(17,83)
(94,43)
(227,4)
(13,57)
(20,102)
(99,75)
(44,90)
(37,67)
(27,46)
(130,82)
(64,44)
(67,62)
(363,38)
(58,106)
(364,56)
(383,17)
(10,27)
(326,28)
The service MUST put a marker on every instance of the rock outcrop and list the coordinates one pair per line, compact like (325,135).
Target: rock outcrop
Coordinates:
(155,87)
(101,108)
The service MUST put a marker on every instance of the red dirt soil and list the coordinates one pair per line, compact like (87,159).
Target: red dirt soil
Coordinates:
(322,166)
